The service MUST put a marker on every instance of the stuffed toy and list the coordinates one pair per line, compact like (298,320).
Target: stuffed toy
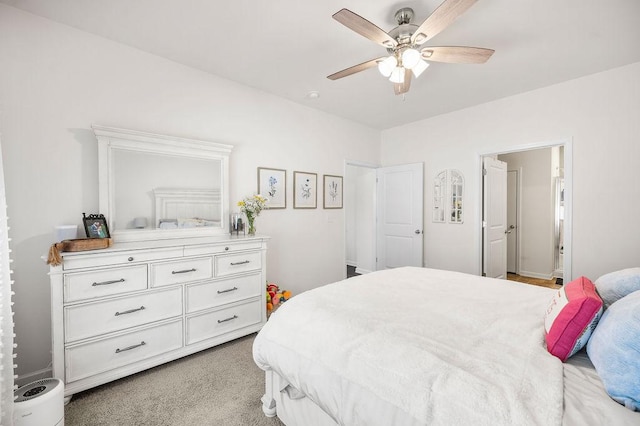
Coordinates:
(275,296)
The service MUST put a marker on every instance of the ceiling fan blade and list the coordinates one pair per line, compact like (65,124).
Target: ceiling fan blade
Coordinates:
(457,54)
(354,69)
(440,19)
(400,88)
(365,28)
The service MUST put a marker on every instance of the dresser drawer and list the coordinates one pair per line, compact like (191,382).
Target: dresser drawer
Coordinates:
(181,271)
(106,282)
(76,260)
(93,319)
(221,248)
(240,262)
(212,324)
(215,293)
(106,354)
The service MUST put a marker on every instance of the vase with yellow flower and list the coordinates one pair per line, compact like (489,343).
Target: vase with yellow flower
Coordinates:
(251,207)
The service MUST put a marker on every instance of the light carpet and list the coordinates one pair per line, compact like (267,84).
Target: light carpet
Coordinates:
(218,386)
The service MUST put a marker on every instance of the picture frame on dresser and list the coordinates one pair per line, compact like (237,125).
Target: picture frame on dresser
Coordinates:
(305,190)
(95,226)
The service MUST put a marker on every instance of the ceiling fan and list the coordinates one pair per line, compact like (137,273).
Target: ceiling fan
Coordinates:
(403,42)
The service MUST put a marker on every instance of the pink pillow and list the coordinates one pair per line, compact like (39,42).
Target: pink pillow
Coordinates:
(571,317)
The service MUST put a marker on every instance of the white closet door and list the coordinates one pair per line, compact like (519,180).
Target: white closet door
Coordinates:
(400,216)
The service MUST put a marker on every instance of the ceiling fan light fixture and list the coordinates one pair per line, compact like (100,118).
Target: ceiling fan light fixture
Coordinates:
(397,75)
(404,43)
(419,68)
(410,58)
(387,65)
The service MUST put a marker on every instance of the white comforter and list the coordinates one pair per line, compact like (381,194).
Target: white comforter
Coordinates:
(418,346)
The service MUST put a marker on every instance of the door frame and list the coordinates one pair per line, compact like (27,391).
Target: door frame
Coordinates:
(568,195)
(516,231)
(366,165)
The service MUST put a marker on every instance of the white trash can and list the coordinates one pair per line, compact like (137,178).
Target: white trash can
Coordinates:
(40,403)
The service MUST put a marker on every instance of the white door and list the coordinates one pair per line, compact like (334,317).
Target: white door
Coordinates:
(512,221)
(400,216)
(495,218)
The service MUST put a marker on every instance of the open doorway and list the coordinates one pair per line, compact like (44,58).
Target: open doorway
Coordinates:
(536,228)
(383,216)
(360,214)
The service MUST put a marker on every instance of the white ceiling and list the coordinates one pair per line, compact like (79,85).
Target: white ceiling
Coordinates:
(288,47)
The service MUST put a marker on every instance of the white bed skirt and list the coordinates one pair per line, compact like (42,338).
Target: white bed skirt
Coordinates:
(300,411)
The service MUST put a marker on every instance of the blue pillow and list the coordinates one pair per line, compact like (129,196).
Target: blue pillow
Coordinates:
(618,284)
(614,349)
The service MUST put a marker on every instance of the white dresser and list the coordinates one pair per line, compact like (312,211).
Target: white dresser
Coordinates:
(135,305)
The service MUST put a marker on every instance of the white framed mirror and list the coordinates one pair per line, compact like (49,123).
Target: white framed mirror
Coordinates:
(457,187)
(157,187)
(439,191)
(448,185)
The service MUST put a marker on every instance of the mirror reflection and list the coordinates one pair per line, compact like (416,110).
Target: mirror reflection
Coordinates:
(165,192)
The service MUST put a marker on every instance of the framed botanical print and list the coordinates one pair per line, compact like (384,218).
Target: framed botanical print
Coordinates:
(305,190)
(272,184)
(332,198)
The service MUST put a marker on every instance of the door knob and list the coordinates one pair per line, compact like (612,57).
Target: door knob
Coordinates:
(417,231)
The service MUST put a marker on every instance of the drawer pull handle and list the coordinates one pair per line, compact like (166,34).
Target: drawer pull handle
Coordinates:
(227,319)
(239,263)
(121,280)
(130,311)
(130,259)
(184,271)
(227,290)
(128,348)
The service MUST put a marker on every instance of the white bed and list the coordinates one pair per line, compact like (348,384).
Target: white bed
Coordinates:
(416,346)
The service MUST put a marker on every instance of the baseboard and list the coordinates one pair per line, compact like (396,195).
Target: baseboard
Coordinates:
(362,271)
(535,275)
(24,379)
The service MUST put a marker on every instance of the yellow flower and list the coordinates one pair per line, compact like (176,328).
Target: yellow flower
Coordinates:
(253,205)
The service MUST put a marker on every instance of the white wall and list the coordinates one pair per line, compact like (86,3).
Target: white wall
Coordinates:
(56,81)
(535,229)
(599,113)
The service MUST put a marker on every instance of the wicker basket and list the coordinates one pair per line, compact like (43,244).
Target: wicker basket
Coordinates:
(80,244)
